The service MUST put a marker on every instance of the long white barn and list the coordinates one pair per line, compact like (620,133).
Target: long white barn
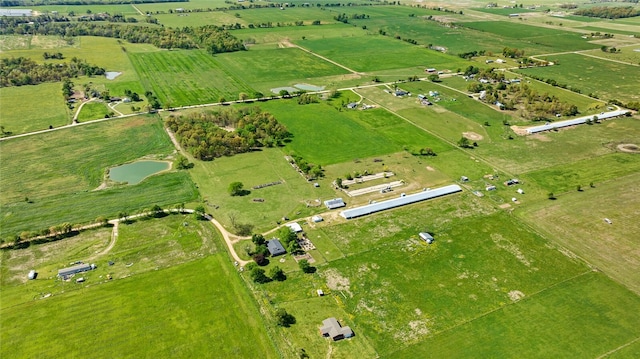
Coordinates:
(400,201)
(575,121)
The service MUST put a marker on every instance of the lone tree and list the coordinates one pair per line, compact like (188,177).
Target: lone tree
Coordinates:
(235,189)
(463,142)
(199,212)
(258,276)
(306,267)
(284,319)
(277,274)
(551,195)
(434,78)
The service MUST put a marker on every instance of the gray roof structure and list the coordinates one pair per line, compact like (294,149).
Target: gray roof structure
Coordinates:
(575,121)
(331,328)
(275,247)
(334,203)
(16,12)
(426,236)
(401,201)
(65,272)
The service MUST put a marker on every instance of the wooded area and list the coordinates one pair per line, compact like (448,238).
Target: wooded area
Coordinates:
(23,71)
(207,135)
(609,12)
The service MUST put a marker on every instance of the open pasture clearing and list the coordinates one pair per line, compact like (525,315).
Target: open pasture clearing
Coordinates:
(287,199)
(288,16)
(591,302)
(19,115)
(186,77)
(178,20)
(376,12)
(629,54)
(565,177)
(75,159)
(371,53)
(284,66)
(192,4)
(325,135)
(530,153)
(503,11)
(166,189)
(26,42)
(607,79)
(575,223)
(536,35)
(173,311)
(625,30)
(376,282)
(93,111)
(276,34)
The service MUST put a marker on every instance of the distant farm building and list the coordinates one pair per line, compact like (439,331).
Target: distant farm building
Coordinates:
(334,203)
(275,247)
(430,69)
(316,219)
(401,201)
(576,121)
(32,274)
(352,105)
(294,227)
(16,12)
(426,237)
(332,329)
(320,292)
(400,93)
(67,272)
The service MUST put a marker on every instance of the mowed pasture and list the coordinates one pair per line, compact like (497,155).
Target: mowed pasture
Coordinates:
(65,167)
(19,115)
(606,79)
(186,77)
(375,53)
(401,295)
(174,312)
(613,248)
(267,68)
(537,36)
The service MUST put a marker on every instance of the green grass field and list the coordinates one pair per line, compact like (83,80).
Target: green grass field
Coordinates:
(171,311)
(67,165)
(93,111)
(371,53)
(607,79)
(18,115)
(186,77)
(610,247)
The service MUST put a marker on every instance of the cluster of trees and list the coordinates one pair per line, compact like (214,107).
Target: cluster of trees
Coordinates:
(471,54)
(24,71)
(634,105)
(154,103)
(132,95)
(309,169)
(344,18)
(105,16)
(67,89)
(609,12)
(306,99)
(212,38)
(512,52)
(202,135)
(612,50)
(53,55)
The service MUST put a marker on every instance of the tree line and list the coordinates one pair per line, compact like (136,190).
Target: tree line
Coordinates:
(210,37)
(203,135)
(609,12)
(24,71)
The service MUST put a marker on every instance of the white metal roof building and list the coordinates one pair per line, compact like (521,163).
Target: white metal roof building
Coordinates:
(294,227)
(16,12)
(334,203)
(575,121)
(400,201)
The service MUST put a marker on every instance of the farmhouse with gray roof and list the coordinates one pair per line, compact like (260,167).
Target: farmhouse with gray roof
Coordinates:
(275,247)
(66,272)
(332,329)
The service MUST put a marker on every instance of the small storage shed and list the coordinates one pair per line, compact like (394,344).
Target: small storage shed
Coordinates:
(32,274)
(332,329)
(316,219)
(426,237)
(294,227)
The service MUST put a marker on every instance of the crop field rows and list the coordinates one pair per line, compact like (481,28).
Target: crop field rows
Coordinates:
(186,77)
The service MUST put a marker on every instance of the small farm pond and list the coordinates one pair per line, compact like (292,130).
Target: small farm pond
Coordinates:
(135,172)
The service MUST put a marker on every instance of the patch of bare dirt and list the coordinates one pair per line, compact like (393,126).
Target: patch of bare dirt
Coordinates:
(335,281)
(629,148)
(516,295)
(505,205)
(472,136)
(540,137)
(520,131)
(429,168)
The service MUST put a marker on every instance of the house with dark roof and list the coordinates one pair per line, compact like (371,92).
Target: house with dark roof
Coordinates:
(332,329)
(275,247)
